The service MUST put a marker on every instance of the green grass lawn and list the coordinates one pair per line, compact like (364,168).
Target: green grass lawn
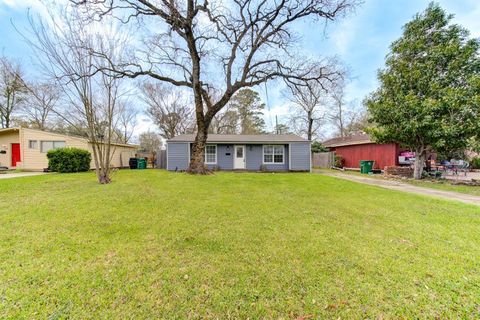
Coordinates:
(432,184)
(447,186)
(162,245)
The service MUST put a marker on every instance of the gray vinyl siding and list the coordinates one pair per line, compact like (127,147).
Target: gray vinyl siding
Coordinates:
(254,156)
(224,157)
(300,156)
(177,156)
(255,159)
(297,153)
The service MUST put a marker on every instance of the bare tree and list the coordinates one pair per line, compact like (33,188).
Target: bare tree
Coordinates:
(65,48)
(40,104)
(150,142)
(12,91)
(310,112)
(338,115)
(346,116)
(225,121)
(168,109)
(204,45)
(357,118)
(127,121)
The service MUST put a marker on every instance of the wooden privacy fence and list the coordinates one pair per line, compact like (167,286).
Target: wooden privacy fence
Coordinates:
(323,159)
(161,162)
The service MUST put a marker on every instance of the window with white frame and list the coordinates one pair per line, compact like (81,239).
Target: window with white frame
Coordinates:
(32,144)
(45,146)
(211,154)
(273,153)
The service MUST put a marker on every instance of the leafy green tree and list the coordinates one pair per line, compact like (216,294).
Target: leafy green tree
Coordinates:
(318,147)
(429,91)
(249,107)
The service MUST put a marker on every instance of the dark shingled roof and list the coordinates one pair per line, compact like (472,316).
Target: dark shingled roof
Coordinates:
(242,138)
(358,138)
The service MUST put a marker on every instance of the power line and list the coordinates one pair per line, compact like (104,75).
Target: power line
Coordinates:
(268,105)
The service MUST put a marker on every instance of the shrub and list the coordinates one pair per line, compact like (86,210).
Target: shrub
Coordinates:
(339,161)
(67,160)
(475,163)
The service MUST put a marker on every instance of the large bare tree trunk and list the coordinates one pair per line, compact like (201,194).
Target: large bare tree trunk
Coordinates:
(310,126)
(420,156)
(252,41)
(197,161)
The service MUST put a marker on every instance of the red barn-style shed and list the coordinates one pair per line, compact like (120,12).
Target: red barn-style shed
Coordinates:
(360,147)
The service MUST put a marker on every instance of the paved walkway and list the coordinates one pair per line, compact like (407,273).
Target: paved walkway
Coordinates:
(462,176)
(20,174)
(405,187)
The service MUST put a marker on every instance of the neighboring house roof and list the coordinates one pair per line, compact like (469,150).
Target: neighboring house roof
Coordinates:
(2,130)
(358,138)
(64,135)
(242,138)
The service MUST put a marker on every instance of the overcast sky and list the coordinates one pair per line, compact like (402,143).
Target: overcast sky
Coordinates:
(361,41)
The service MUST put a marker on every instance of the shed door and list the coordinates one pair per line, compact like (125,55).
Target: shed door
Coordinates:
(239,157)
(15,154)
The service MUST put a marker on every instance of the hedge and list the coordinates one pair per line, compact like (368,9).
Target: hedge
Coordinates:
(475,163)
(67,160)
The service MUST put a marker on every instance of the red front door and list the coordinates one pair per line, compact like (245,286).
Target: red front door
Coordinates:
(15,154)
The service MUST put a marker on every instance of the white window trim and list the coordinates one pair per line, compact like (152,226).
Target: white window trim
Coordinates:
(216,153)
(273,154)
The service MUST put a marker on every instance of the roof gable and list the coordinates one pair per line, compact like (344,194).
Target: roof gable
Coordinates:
(359,138)
(60,135)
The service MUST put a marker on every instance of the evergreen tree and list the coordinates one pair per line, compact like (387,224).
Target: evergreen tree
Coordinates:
(429,92)
(249,107)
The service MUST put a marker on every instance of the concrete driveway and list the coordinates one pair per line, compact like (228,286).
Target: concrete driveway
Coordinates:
(20,175)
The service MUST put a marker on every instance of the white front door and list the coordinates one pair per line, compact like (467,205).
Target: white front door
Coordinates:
(239,157)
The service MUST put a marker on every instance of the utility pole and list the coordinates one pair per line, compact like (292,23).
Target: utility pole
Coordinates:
(276,124)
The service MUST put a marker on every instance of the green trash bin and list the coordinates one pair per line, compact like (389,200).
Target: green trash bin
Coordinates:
(366,166)
(141,163)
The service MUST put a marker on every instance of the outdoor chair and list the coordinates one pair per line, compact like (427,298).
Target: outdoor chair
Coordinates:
(463,166)
(446,165)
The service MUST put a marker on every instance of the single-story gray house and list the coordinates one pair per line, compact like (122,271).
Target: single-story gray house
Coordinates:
(263,152)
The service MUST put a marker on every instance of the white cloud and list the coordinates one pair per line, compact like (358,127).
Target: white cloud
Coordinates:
(344,36)
(279,110)
(144,124)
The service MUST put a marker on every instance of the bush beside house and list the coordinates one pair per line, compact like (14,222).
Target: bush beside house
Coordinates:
(66,160)
(339,161)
